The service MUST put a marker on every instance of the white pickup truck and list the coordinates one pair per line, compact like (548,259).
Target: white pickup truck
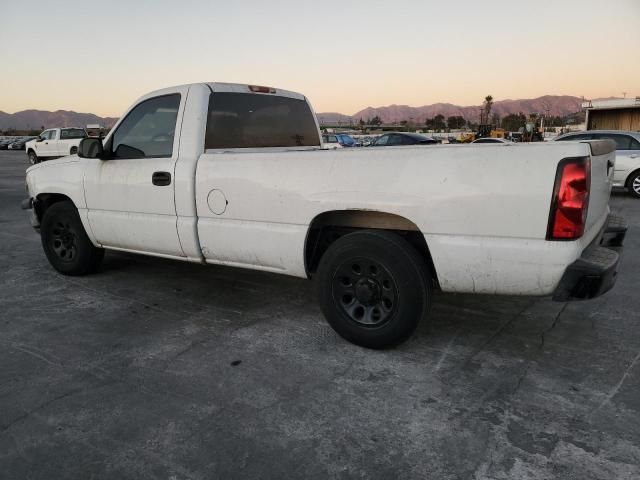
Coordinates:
(229,174)
(54,143)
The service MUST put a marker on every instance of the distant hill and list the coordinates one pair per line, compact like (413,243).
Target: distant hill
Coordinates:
(559,105)
(34,119)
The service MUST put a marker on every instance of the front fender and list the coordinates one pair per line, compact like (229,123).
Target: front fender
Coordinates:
(64,176)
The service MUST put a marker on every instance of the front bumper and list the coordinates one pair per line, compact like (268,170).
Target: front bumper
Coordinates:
(596,271)
(29,204)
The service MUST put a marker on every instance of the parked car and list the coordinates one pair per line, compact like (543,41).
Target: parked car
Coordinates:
(626,172)
(19,144)
(402,138)
(55,142)
(4,144)
(235,175)
(491,140)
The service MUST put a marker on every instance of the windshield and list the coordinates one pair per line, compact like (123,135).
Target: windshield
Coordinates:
(347,140)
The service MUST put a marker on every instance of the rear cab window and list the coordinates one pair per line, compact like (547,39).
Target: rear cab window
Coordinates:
(72,133)
(255,120)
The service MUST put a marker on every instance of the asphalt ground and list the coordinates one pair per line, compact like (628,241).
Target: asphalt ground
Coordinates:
(160,369)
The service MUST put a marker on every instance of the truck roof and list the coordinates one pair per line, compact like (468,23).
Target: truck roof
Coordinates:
(230,87)
(246,88)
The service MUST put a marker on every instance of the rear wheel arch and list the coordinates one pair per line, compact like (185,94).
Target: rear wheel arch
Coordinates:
(329,226)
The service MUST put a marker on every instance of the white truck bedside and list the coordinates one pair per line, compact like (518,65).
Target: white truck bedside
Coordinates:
(230,174)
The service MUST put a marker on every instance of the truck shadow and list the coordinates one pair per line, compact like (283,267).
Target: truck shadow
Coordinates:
(250,297)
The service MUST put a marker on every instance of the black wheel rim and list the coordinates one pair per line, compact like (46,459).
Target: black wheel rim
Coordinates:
(63,241)
(365,291)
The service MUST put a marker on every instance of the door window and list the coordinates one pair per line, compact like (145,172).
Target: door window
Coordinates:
(573,138)
(406,140)
(394,140)
(148,130)
(382,140)
(623,142)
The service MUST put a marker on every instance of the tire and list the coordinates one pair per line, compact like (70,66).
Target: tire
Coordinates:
(373,288)
(73,150)
(633,184)
(33,158)
(65,241)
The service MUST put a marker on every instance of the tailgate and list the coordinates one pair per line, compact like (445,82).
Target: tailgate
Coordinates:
(603,156)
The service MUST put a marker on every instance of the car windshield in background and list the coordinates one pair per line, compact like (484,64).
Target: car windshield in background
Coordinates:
(347,140)
(247,120)
(70,133)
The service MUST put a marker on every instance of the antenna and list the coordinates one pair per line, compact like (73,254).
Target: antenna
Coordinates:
(624,94)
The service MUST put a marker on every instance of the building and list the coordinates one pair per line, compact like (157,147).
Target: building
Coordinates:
(615,114)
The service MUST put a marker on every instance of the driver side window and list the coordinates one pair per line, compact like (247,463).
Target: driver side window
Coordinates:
(148,130)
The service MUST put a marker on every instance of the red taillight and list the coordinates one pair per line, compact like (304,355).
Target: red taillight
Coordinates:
(259,89)
(570,199)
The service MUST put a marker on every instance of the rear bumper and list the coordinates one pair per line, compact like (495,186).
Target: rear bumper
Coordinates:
(595,272)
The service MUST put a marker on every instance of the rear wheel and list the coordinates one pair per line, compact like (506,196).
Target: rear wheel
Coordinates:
(65,242)
(373,288)
(633,184)
(33,158)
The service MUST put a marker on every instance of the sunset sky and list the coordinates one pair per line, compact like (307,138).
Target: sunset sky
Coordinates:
(343,55)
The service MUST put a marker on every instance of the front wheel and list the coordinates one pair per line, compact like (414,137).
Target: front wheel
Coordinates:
(633,184)
(33,158)
(73,150)
(373,288)
(65,242)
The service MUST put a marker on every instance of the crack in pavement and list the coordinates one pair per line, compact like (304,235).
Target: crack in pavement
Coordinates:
(612,393)
(540,347)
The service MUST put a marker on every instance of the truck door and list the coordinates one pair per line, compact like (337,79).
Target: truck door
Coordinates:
(130,196)
(44,148)
(627,153)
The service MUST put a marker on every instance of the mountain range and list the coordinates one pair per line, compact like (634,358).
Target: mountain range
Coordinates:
(35,119)
(559,105)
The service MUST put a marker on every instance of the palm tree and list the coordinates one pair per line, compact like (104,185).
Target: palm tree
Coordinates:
(488,102)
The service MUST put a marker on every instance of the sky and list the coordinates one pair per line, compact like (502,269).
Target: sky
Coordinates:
(343,55)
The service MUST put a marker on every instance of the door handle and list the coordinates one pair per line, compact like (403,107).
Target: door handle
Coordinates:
(633,155)
(161,179)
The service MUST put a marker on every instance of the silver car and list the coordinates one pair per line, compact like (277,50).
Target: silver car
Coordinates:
(627,169)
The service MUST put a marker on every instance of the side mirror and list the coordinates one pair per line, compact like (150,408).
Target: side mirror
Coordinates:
(90,148)
(39,139)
